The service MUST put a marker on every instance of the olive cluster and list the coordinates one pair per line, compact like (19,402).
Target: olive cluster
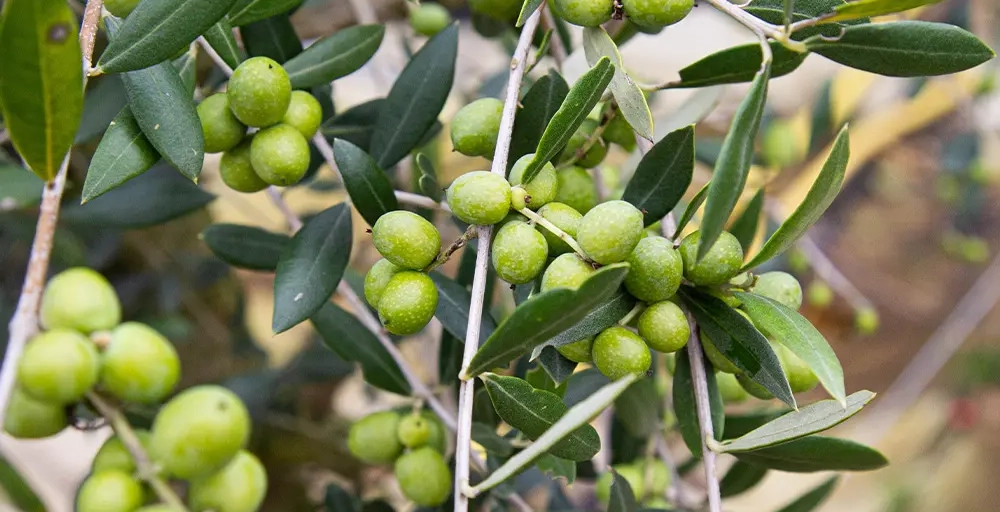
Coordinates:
(260,96)
(415,442)
(647,15)
(197,436)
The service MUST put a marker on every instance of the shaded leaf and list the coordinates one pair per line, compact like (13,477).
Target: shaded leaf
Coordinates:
(273,37)
(349,338)
(736,65)
(334,56)
(582,384)
(123,153)
(772,11)
(741,477)
(641,404)
(539,379)
(249,11)
(622,496)
(740,424)
(580,100)
(529,8)
(663,175)
(487,437)
(905,48)
(605,315)
(311,267)
(822,193)
(336,499)
(428,182)
(416,99)
(789,328)
(816,453)
(872,8)
(355,124)
(738,340)
(557,467)
(557,366)
(630,98)
(540,103)
(812,499)
(104,100)
(187,68)
(369,187)
(220,38)
(19,187)
(17,490)
(453,309)
(733,165)
(41,81)
(534,411)
(691,209)
(685,406)
(544,316)
(745,227)
(247,247)
(158,29)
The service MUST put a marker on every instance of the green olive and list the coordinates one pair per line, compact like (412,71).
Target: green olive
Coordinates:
(579,351)
(114,455)
(237,170)
(377,279)
(475,127)
(563,217)
(585,13)
(502,10)
(657,13)
(542,188)
(801,378)
(109,491)
(221,128)
(576,189)
(408,303)
(406,239)
(373,439)
(304,113)
(718,266)
(480,197)
(655,269)
(618,131)
(120,8)
(519,253)
(779,286)
(755,390)
(609,232)
(80,299)
(259,92)
(139,365)
(664,327)
(632,474)
(58,366)
(618,352)
(414,430)
(240,486)
(424,477)
(719,361)
(566,271)
(595,153)
(866,321)
(280,155)
(730,388)
(429,19)
(28,418)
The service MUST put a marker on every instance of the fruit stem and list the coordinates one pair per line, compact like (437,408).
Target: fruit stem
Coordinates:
(460,242)
(145,468)
(24,324)
(558,49)
(216,58)
(564,236)
(700,381)
(639,308)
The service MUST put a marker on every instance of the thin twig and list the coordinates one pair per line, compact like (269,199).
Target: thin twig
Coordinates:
(145,468)
(421,201)
(293,220)
(216,58)
(758,26)
(558,49)
(700,380)
(446,254)
(552,228)
(24,324)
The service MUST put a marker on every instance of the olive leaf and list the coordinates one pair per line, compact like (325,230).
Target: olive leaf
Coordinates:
(487,437)
(220,38)
(812,499)
(334,56)
(249,11)
(745,227)
(629,96)
(663,175)
(740,477)
(773,11)
(104,100)
(622,496)
(355,124)
(873,8)
(18,187)
(557,467)
(736,65)
(453,309)
(428,182)
(247,247)
(123,153)
(691,209)
(816,453)
(600,318)
(366,183)
(539,105)
(739,424)
(17,490)
(642,405)
(529,8)
(273,37)
(685,406)
(557,366)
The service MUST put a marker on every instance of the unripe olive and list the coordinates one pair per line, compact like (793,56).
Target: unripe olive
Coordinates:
(304,113)
(781,146)
(563,217)
(159,507)
(519,253)
(730,389)
(632,473)
(377,279)
(80,299)
(221,128)
(579,351)
(58,366)
(585,13)
(720,264)
(199,431)
(800,376)
(566,271)
(542,188)
(279,155)
(28,418)
(595,153)
(819,294)
(780,286)
(237,170)
(503,10)
(655,269)
(424,477)
(406,239)
(657,13)
(609,232)
(618,352)
(618,131)
(373,439)
(719,361)
(120,8)
(408,303)
(755,390)
(114,455)
(259,92)
(576,189)
(240,486)
(139,365)
(413,431)
(438,438)
(659,478)
(475,127)
(664,327)
(479,197)
(866,321)
(429,19)
(110,491)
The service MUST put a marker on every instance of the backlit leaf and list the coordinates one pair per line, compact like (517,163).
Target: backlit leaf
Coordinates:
(629,96)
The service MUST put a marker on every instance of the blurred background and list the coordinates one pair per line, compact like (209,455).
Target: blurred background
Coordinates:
(885,272)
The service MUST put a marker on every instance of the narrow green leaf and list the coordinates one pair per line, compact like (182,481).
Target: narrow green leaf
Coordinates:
(622,496)
(533,412)
(557,467)
(738,425)
(691,209)
(539,379)
(737,65)
(812,499)
(355,124)
(905,48)
(416,99)
(539,104)
(248,11)
(247,247)
(630,98)
(557,366)
(349,338)
(642,405)
(187,68)
(772,12)
(338,500)
(18,187)
(582,384)
(733,165)
(816,453)
(663,175)
(158,29)
(41,81)
(123,154)
(453,309)
(158,195)
(544,316)
(580,100)
(739,341)
(311,267)
(335,56)
(578,416)
(104,100)
(17,490)
(822,193)
(686,409)
(428,182)
(745,227)
(369,187)
(220,37)
(273,37)
(789,328)
(872,8)
(529,8)
(813,418)
(487,437)
(740,478)
(603,316)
